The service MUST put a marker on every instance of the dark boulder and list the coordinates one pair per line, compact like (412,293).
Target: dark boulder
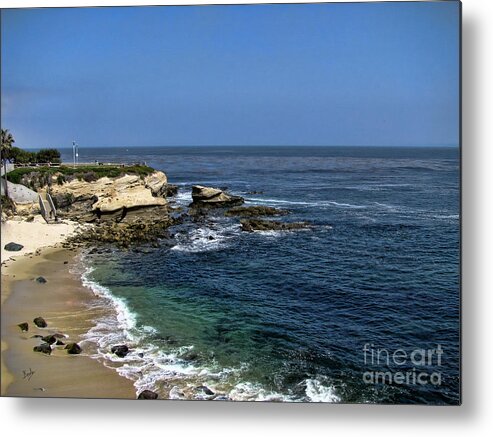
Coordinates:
(24,326)
(254,211)
(171,190)
(206,390)
(73,349)
(251,225)
(190,356)
(13,247)
(60,343)
(43,347)
(50,339)
(120,350)
(147,394)
(40,322)
(41,280)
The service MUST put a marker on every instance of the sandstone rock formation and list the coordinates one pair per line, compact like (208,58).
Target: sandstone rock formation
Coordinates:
(209,197)
(91,200)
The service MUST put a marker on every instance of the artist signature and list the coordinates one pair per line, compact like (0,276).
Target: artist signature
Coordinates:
(28,374)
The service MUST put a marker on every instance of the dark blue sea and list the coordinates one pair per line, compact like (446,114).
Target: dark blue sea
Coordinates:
(311,315)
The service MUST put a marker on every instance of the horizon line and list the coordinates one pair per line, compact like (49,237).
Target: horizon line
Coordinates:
(246,145)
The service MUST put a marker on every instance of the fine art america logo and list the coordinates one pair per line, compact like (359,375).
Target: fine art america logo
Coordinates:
(409,367)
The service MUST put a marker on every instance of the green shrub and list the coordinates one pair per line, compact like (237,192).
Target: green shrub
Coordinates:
(22,156)
(91,172)
(48,155)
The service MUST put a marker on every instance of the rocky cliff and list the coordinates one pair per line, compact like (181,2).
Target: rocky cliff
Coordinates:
(110,197)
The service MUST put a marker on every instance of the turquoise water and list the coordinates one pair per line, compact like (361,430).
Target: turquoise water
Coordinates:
(286,316)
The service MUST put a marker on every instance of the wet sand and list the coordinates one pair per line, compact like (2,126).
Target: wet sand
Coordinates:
(68,308)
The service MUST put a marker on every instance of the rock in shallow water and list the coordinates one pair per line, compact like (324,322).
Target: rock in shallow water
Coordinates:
(50,339)
(209,197)
(206,390)
(191,355)
(40,322)
(73,349)
(254,211)
(41,280)
(147,394)
(13,247)
(24,326)
(45,348)
(120,350)
(251,225)
(171,190)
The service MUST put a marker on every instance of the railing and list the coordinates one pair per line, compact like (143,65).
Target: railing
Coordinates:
(47,207)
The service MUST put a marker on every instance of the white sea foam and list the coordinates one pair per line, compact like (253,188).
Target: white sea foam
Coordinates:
(183,197)
(147,365)
(376,187)
(206,238)
(321,203)
(447,217)
(152,368)
(122,320)
(318,392)
(272,234)
(247,391)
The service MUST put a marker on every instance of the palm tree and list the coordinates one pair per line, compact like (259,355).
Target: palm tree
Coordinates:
(6,146)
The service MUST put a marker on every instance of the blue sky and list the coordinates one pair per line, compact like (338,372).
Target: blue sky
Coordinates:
(316,74)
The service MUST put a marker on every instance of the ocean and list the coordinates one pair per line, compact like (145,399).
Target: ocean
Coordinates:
(217,313)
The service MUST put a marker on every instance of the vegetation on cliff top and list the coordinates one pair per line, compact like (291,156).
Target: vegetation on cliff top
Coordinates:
(89,173)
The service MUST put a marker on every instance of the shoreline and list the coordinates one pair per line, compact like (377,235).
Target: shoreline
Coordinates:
(69,308)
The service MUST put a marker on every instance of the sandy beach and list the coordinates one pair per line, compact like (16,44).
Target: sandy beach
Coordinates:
(68,308)
(34,235)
